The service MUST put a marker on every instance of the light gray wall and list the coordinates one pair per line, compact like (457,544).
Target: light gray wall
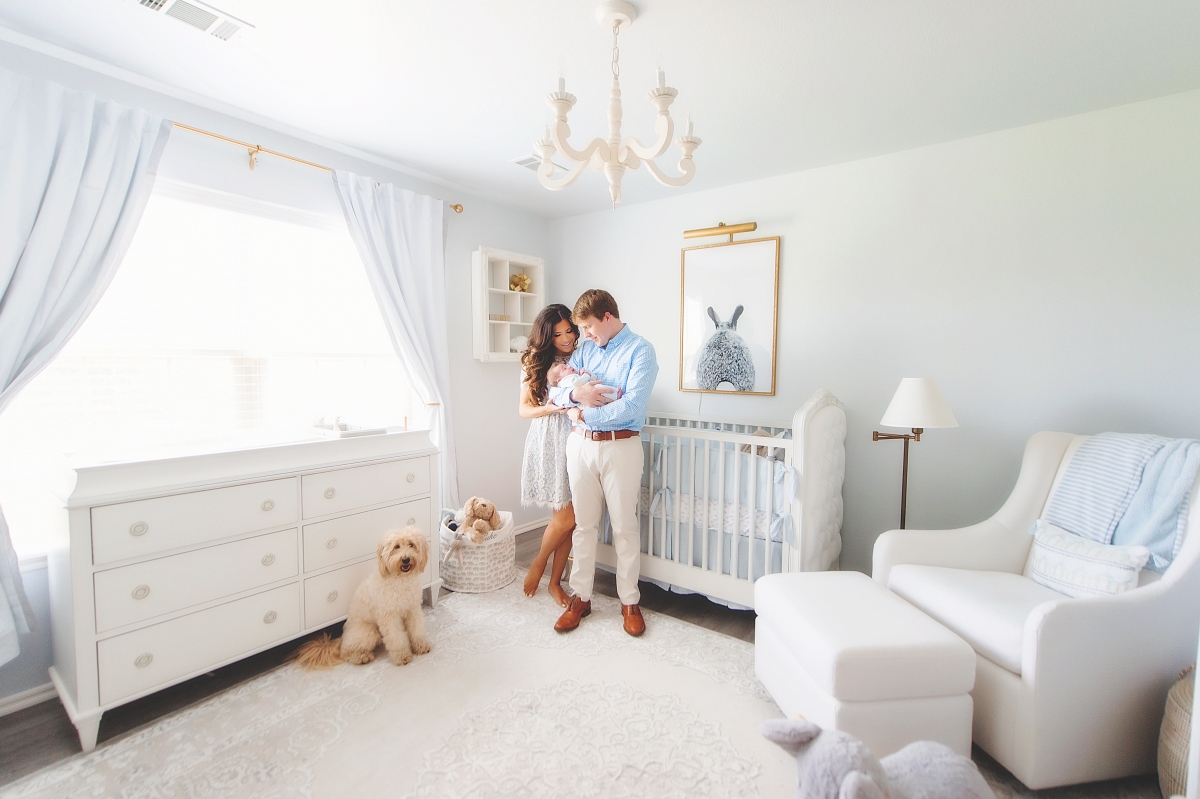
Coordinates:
(489,433)
(1048,277)
(29,669)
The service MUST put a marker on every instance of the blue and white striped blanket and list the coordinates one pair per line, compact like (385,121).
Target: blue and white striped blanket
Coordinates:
(1129,489)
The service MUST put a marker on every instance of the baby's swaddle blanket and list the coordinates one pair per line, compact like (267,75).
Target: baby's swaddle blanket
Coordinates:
(1127,489)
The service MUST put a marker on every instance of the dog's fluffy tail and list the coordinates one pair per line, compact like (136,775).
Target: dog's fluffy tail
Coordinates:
(320,653)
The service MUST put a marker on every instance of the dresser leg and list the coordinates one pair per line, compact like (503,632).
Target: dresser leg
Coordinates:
(433,591)
(88,728)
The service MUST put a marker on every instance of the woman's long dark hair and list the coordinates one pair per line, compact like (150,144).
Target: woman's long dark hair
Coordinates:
(538,357)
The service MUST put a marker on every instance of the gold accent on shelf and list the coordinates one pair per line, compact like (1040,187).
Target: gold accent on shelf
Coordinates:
(721,230)
(255,149)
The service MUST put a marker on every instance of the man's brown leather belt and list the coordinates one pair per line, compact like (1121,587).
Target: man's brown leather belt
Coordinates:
(606,435)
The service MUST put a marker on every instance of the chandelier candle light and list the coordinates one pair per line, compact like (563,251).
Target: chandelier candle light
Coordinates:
(615,154)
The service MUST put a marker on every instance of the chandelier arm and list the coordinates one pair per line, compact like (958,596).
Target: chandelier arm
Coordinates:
(686,165)
(546,170)
(561,131)
(665,127)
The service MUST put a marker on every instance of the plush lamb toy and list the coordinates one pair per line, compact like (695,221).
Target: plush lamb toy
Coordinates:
(725,357)
(835,765)
(480,517)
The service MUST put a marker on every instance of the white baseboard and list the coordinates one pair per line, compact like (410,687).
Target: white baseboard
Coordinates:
(525,528)
(11,704)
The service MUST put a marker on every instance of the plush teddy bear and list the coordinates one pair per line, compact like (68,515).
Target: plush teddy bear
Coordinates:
(480,517)
(831,764)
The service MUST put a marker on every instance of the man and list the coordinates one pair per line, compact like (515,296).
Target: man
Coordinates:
(604,452)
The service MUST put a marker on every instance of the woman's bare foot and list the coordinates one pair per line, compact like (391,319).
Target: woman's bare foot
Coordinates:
(536,570)
(560,595)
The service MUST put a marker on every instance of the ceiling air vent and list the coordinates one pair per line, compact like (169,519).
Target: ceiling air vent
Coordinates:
(200,15)
(532,162)
(193,15)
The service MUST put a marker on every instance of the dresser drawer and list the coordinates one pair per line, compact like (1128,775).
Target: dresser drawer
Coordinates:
(327,596)
(136,529)
(142,659)
(345,489)
(144,590)
(349,537)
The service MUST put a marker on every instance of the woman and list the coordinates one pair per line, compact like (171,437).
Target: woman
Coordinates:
(544,473)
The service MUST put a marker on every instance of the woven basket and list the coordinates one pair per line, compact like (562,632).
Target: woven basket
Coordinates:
(471,568)
(1174,736)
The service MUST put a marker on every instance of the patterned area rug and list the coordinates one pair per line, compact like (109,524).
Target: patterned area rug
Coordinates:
(502,706)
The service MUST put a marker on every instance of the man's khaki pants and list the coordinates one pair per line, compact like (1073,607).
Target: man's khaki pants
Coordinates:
(605,472)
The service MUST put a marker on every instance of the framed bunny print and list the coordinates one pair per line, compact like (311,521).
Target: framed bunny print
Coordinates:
(729,307)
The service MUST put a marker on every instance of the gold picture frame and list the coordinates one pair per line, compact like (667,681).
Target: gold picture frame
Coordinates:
(724,278)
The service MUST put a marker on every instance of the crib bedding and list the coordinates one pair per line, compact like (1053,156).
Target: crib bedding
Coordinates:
(716,517)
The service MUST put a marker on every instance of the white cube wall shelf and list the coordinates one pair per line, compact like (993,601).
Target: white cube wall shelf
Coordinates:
(498,313)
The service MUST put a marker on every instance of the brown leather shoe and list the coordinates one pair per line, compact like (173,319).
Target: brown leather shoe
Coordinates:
(576,610)
(635,625)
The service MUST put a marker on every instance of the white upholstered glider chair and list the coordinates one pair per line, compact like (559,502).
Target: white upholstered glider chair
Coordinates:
(1066,690)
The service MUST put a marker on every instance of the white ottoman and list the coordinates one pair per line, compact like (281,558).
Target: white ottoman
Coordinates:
(844,652)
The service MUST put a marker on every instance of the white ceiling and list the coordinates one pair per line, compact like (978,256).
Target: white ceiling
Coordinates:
(456,88)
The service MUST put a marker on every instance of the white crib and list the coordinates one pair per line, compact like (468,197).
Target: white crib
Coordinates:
(708,483)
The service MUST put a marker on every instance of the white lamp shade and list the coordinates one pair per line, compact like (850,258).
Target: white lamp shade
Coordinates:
(918,403)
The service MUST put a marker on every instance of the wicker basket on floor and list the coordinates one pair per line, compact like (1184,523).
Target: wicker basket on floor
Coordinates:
(471,568)
(1175,734)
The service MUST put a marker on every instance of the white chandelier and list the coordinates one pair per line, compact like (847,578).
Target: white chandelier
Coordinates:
(615,154)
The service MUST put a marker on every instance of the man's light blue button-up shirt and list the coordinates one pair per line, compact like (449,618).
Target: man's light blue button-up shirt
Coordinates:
(626,362)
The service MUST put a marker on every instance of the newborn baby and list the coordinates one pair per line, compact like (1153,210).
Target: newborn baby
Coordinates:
(562,374)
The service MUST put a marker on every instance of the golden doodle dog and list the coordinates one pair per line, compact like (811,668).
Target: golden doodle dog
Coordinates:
(387,606)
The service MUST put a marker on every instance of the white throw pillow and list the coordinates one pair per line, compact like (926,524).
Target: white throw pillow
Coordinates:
(1077,566)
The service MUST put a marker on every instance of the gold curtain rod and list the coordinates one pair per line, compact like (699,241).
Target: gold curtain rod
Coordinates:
(255,149)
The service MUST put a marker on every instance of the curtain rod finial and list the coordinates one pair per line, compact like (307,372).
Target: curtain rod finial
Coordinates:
(457,207)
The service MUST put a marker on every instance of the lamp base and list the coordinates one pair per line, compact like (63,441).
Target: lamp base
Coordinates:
(905,437)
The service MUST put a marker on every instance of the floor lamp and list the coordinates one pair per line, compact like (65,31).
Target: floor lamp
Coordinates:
(917,405)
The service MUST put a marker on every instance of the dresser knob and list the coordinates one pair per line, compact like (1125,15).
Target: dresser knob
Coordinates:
(268,559)
(411,520)
(138,528)
(332,597)
(141,592)
(270,617)
(143,660)
(331,543)
(329,492)
(268,504)
(411,477)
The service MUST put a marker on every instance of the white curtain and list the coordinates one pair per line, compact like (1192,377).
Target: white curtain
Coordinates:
(401,237)
(75,174)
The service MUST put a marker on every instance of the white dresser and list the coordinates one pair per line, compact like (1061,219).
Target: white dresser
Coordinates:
(172,567)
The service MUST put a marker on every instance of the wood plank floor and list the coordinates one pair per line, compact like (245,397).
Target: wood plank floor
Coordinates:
(41,735)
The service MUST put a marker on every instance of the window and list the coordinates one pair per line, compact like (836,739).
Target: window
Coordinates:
(222,327)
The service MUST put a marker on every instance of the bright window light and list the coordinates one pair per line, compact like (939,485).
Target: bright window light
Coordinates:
(221,328)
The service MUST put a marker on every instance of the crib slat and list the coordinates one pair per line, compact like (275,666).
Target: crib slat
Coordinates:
(769,545)
(704,508)
(677,494)
(736,546)
(753,537)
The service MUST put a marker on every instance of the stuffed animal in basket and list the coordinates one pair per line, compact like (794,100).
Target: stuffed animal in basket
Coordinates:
(831,764)
(480,517)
